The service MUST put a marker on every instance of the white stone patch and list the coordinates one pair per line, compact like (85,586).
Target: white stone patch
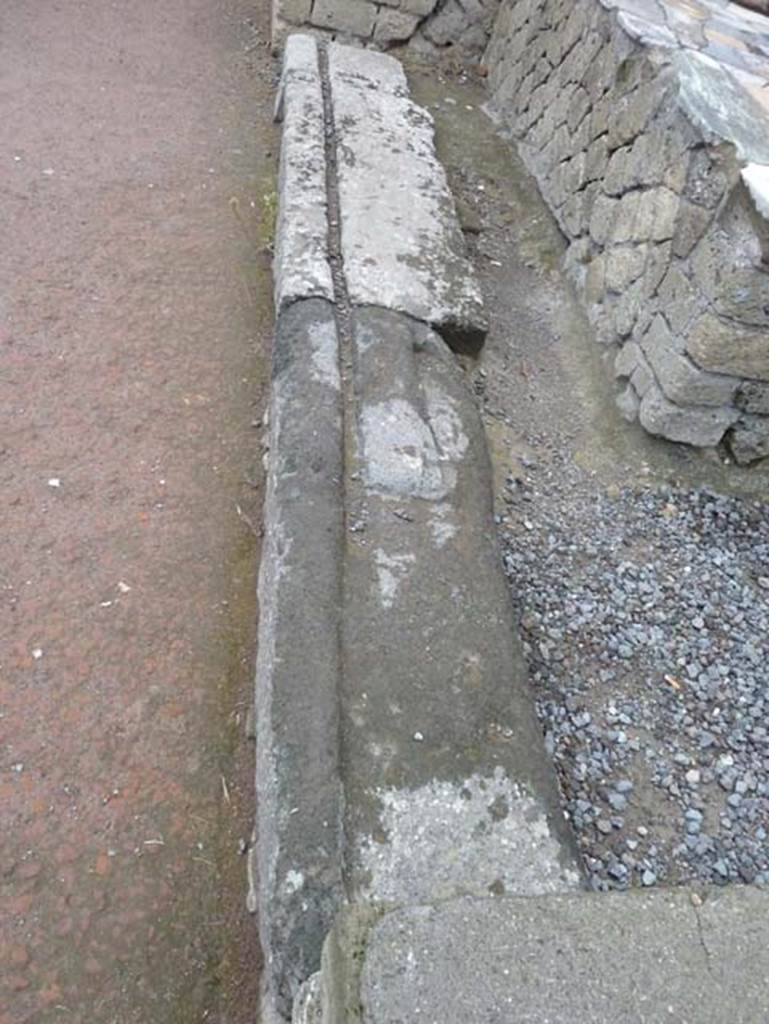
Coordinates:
(448,838)
(293,882)
(446,424)
(756,177)
(399,452)
(391,569)
(325,354)
(442,526)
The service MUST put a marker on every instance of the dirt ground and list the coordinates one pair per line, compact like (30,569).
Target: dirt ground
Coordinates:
(136,196)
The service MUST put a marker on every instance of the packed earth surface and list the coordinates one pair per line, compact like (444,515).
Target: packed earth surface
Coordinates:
(137,197)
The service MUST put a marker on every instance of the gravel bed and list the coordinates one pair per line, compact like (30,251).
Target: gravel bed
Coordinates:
(645,618)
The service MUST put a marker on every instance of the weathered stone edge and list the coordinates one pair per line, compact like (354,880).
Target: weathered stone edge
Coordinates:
(298,854)
(301,268)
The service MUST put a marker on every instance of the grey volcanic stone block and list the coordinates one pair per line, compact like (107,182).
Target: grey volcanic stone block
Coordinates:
(749,440)
(448,787)
(420,7)
(690,424)
(724,347)
(624,958)
(754,397)
(301,267)
(682,381)
(743,294)
(394,26)
(402,245)
(298,661)
(356,17)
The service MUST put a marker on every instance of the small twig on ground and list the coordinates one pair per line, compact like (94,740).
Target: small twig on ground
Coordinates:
(249,522)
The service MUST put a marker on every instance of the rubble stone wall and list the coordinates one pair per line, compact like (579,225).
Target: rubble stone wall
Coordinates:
(464,25)
(667,247)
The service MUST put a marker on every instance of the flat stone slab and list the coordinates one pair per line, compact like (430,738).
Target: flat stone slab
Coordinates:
(625,958)
(402,246)
(398,753)
(448,788)
(722,59)
(401,241)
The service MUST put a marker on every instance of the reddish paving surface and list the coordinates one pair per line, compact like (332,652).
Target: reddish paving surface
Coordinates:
(135,154)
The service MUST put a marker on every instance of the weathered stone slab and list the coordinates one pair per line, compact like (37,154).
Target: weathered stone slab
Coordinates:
(718,103)
(402,245)
(447,785)
(682,381)
(724,347)
(749,440)
(355,17)
(301,267)
(688,424)
(573,959)
(299,792)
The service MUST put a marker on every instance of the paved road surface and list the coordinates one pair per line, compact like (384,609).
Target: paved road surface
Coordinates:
(135,155)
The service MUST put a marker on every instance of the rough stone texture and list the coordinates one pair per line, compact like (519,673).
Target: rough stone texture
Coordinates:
(433,25)
(395,26)
(690,425)
(681,380)
(299,794)
(447,785)
(750,438)
(300,268)
(401,241)
(620,114)
(720,346)
(392,706)
(296,12)
(582,959)
(356,17)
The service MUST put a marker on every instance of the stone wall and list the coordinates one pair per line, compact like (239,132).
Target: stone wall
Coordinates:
(430,25)
(638,132)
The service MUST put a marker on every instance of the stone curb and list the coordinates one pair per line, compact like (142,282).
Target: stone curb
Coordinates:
(398,755)
(301,267)
(299,847)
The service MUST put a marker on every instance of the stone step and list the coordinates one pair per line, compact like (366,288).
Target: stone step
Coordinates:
(625,958)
